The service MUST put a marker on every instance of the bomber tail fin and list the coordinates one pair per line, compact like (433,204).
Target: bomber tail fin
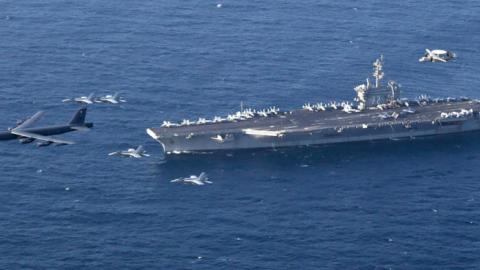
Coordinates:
(79,117)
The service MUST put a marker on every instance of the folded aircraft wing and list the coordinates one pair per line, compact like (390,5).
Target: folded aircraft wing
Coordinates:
(30,121)
(39,137)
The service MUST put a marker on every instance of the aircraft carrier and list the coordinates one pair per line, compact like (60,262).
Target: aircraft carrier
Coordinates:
(377,113)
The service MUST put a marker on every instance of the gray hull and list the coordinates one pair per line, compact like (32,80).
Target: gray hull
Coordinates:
(303,127)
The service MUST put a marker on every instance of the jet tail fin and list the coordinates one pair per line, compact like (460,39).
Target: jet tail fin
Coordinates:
(139,149)
(79,117)
(91,95)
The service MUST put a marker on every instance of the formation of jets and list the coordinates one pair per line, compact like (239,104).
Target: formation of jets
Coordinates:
(200,180)
(437,56)
(25,133)
(91,99)
(131,152)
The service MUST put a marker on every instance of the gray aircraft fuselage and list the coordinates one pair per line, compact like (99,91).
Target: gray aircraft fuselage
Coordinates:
(45,131)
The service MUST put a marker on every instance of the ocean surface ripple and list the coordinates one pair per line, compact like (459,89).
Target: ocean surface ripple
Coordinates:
(396,205)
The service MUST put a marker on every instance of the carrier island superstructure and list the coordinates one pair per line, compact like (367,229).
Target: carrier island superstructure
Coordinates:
(377,113)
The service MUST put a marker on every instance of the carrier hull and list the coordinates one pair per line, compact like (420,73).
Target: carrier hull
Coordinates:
(304,127)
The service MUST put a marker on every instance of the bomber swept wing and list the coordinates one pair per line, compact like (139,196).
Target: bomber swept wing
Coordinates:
(30,121)
(25,132)
(39,137)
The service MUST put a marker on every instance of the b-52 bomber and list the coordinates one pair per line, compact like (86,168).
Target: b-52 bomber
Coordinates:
(25,133)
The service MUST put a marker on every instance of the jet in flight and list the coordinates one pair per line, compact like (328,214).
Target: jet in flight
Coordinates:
(112,99)
(200,180)
(82,100)
(135,153)
(437,56)
(25,133)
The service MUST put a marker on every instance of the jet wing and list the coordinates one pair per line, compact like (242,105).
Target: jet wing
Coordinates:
(135,155)
(438,52)
(196,182)
(39,137)
(80,128)
(30,121)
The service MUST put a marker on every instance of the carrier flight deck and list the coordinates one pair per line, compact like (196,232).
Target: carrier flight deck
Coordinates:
(379,114)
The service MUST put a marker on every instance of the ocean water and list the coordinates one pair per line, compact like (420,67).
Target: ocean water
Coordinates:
(396,205)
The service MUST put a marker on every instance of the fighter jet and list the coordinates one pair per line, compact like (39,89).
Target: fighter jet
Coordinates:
(200,180)
(135,153)
(82,100)
(112,99)
(25,133)
(437,56)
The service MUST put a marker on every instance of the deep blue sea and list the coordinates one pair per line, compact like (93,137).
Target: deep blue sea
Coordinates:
(395,205)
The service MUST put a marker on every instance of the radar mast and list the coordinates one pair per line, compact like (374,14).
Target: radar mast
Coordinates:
(378,71)
(369,95)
